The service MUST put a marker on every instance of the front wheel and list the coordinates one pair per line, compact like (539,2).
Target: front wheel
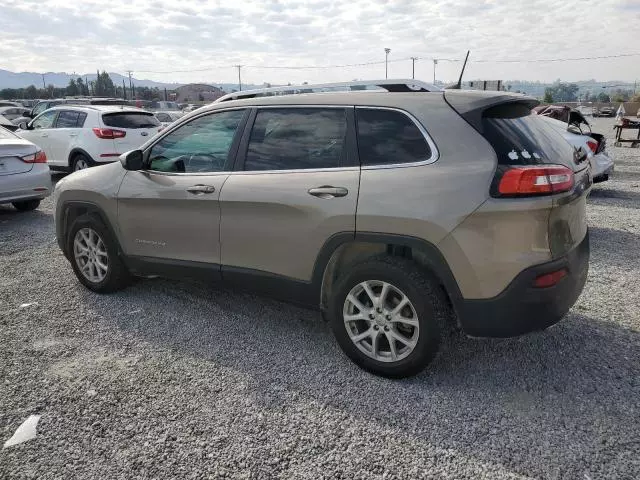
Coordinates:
(94,256)
(389,316)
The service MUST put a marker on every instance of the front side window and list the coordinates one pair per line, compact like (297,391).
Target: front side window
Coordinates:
(163,117)
(45,120)
(39,108)
(202,145)
(297,138)
(388,137)
(67,119)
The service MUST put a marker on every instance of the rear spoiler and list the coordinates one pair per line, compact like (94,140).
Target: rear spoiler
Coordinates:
(471,104)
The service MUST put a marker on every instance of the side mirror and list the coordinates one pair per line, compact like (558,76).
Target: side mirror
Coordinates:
(23,126)
(132,160)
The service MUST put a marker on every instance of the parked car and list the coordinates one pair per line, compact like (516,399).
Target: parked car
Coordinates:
(13,113)
(393,213)
(80,136)
(5,103)
(164,106)
(604,112)
(24,174)
(8,124)
(576,130)
(167,118)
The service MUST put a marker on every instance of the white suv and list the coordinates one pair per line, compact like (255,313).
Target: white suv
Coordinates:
(77,137)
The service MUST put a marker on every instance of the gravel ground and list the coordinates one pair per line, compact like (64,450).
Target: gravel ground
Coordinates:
(171,380)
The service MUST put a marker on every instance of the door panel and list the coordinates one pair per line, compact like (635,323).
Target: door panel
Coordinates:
(40,130)
(270,221)
(160,217)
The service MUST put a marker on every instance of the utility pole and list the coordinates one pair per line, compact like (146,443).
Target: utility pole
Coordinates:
(435,62)
(86,82)
(386,62)
(239,78)
(413,67)
(130,83)
(124,90)
(43,85)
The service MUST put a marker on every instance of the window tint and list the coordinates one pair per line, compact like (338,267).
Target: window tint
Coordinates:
(130,120)
(163,117)
(45,120)
(519,137)
(388,137)
(82,116)
(202,145)
(67,119)
(297,138)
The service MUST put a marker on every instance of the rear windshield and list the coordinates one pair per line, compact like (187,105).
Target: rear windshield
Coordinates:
(6,134)
(130,120)
(519,137)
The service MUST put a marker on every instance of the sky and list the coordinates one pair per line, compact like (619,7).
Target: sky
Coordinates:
(200,40)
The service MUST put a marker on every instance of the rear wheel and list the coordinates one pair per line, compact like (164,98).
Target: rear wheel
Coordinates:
(389,316)
(26,205)
(80,162)
(94,256)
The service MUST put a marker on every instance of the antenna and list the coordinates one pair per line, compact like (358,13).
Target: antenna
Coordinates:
(459,84)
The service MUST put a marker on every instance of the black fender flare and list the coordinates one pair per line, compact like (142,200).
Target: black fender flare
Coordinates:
(77,150)
(90,208)
(436,262)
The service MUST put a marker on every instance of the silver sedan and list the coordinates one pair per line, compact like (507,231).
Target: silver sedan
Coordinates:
(24,174)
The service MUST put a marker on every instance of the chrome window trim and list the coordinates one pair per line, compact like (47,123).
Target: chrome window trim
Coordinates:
(435,154)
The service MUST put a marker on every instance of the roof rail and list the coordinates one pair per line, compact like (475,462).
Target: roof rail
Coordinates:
(402,85)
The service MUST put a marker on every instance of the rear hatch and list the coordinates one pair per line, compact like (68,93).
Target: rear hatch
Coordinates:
(524,142)
(130,128)
(12,149)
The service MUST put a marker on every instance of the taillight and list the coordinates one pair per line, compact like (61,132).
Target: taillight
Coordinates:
(549,279)
(535,180)
(38,157)
(593,145)
(109,133)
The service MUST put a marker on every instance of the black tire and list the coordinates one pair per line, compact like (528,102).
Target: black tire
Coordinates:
(80,159)
(26,205)
(424,293)
(117,277)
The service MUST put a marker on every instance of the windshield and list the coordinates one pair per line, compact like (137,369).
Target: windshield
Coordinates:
(519,137)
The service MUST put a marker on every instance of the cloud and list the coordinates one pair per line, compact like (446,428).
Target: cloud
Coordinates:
(163,35)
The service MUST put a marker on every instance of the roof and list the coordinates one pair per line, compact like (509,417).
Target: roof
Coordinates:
(99,108)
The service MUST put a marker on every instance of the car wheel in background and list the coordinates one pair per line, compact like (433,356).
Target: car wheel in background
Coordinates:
(26,205)
(94,256)
(389,316)
(80,162)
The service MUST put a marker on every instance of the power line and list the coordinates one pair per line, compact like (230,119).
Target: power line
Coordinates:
(542,60)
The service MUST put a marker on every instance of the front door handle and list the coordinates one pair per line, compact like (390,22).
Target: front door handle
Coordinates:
(44,135)
(327,191)
(200,189)
(73,134)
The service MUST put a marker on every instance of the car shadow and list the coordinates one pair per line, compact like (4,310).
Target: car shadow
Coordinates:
(602,195)
(554,394)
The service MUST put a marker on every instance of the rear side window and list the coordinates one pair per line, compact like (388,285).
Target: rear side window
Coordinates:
(519,137)
(389,137)
(82,116)
(67,119)
(297,138)
(130,120)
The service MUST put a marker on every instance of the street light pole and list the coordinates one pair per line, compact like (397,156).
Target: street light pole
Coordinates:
(386,62)
(239,79)
(435,62)
(413,67)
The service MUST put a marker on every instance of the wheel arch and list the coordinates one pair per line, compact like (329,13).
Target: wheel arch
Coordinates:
(346,248)
(73,210)
(75,151)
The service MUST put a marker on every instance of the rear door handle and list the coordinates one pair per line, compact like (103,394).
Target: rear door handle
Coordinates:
(327,191)
(73,134)
(44,135)
(200,189)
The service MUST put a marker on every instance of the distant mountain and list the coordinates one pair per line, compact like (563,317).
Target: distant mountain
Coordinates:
(60,79)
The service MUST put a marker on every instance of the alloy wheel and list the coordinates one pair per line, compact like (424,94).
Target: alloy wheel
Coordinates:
(381,321)
(91,255)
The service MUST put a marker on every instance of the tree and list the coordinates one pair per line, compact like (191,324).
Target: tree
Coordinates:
(548,95)
(72,88)
(82,88)
(603,97)
(563,92)
(31,92)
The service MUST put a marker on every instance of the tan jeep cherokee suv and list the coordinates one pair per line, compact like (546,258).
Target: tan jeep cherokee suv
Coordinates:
(395,212)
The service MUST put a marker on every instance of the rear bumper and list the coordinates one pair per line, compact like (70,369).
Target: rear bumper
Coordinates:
(521,308)
(35,184)
(602,165)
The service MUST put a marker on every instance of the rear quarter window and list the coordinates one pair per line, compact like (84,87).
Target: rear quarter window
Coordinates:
(520,137)
(387,137)
(130,120)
